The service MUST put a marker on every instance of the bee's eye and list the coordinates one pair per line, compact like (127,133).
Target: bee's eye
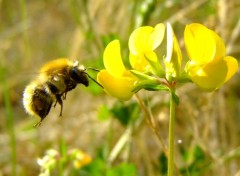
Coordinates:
(74,74)
(79,76)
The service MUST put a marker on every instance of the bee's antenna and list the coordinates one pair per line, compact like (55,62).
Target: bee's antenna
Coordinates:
(94,69)
(92,78)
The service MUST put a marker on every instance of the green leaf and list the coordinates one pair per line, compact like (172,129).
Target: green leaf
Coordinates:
(197,162)
(143,76)
(148,82)
(175,98)
(155,65)
(124,169)
(162,165)
(184,78)
(96,168)
(103,113)
(150,85)
(125,112)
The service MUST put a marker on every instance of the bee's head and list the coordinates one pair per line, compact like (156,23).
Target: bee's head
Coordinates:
(79,75)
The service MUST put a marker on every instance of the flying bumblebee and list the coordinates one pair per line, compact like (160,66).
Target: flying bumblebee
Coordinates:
(54,81)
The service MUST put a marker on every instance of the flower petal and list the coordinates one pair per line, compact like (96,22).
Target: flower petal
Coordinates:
(215,74)
(232,65)
(156,37)
(146,39)
(138,40)
(119,87)
(220,47)
(112,59)
(200,43)
(173,60)
(139,62)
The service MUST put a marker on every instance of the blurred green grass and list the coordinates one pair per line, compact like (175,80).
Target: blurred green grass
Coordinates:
(33,32)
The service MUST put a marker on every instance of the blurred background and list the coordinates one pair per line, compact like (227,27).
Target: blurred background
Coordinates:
(114,134)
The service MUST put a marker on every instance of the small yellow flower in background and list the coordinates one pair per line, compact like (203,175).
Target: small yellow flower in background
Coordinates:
(209,67)
(173,59)
(142,43)
(116,80)
(80,158)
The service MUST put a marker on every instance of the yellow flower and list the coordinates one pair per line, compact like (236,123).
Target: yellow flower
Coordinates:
(116,80)
(209,67)
(81,159)
(142,43)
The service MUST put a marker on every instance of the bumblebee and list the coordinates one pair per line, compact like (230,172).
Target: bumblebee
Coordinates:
(54,81)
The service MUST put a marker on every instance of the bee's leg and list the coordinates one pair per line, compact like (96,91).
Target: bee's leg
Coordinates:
(59,100)
(64,95)
(38,124)
(55,104)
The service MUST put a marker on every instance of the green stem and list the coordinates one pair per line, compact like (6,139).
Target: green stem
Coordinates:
(171,136)
(63,158)
(9,120)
